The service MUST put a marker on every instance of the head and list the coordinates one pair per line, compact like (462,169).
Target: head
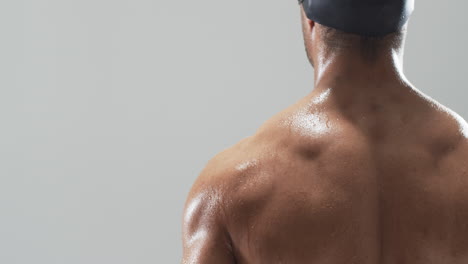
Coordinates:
(327,40)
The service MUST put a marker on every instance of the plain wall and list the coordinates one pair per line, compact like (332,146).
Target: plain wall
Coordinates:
(110,109)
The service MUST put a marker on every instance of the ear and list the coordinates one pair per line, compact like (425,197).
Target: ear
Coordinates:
(310,23)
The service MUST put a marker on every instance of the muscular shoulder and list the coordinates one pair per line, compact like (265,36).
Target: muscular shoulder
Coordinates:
(223,181)
(208,207)
(287,144)
(222,171)
(206,238)
(455,132)
(443,129)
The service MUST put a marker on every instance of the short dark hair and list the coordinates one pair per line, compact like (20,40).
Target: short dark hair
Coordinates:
(369,47)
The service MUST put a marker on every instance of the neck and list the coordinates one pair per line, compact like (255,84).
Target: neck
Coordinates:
(349,70)
(356,87)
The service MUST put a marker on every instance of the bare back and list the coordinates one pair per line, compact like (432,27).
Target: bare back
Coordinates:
(314,185)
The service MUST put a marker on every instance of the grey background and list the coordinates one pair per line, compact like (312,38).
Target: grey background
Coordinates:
(109,110)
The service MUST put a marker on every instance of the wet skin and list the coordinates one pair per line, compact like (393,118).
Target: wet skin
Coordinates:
(383,182)
(365,169)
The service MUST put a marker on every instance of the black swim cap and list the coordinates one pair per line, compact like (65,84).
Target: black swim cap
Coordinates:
(363,17)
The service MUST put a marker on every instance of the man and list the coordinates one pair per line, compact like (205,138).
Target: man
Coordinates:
(365,169)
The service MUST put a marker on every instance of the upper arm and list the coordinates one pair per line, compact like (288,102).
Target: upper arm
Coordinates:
(205,237)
